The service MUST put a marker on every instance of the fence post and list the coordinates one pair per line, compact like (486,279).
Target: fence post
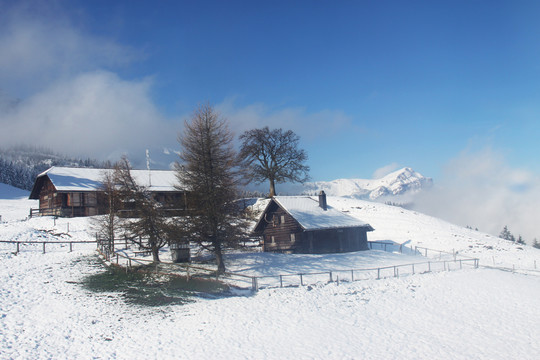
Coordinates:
(401,249)
(118,259)
(378,273)
(301,280)
(68,228)
(17,248)
(70,246)
(129,260)
(331,280)
(429,266)
(395,271)
(254,285)
(280,280)
(426,252)
(413,269)
(352,275)
(44,247)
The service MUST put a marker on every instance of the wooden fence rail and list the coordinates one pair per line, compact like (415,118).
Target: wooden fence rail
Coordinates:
(302,279)
(45,243)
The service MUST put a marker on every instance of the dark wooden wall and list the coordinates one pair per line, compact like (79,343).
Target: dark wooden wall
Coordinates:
(278,226)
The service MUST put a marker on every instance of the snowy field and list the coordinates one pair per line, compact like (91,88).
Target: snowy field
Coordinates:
(45,312)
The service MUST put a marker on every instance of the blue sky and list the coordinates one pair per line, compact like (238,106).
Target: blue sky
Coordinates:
(366,84)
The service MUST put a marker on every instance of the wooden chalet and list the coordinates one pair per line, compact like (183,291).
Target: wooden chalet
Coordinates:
(301,224)
(69,192)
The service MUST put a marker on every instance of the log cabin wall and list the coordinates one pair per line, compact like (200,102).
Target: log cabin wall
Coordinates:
(282,233)
(49,200)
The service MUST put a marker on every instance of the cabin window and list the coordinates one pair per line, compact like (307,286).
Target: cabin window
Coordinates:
(91,199)
(74,199)
(282,219)
(293,237)
(273,240)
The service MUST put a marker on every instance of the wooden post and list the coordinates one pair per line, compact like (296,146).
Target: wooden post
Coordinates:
(429,266)
(118,261)
(378,273)
(413,268)
(44,247)
(68,228)
(331,280)
(352,275)
(301,280)
(395,274)
(254,285)
(17,247)
(70,246)
(280,280)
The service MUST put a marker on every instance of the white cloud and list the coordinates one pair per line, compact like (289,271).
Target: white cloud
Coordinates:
(482,190)
(39,44)
(309,125)
(385,170)
(93,114)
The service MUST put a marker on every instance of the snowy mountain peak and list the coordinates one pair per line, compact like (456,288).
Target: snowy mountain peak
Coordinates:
(399,182)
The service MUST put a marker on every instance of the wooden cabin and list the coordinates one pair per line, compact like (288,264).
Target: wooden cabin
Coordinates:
(69,192)
(301,224)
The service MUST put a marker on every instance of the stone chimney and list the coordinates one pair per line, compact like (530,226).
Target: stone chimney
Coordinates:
(322,200)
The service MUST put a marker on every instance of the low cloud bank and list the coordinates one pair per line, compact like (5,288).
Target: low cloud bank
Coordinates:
(482,190)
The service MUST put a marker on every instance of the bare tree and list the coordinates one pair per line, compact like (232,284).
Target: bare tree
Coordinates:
(110,203)
(146,221)
(208,170)
(273,155)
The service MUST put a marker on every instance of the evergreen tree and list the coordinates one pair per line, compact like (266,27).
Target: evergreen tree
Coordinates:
(506,234)
(209,172)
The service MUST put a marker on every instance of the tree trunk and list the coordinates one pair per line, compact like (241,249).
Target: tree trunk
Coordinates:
(272,188)
(219,259)
(155,254)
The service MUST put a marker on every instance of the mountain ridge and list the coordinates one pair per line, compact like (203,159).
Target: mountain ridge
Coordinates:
(404,181)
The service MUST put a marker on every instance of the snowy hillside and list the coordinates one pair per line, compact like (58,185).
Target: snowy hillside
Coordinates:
(14,203)
(400,182)
(47,312)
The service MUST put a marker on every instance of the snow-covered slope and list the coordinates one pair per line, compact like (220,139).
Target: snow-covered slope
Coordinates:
(45,312)
(14,203)
(400,182)
(416,229)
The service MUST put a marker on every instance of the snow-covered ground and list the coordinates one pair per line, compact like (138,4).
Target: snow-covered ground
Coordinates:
(45,312)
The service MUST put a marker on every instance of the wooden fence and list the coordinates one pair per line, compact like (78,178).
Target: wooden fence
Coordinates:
(283,280)
(44,244)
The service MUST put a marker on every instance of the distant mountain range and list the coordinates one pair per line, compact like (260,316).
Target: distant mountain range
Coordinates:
(402,182)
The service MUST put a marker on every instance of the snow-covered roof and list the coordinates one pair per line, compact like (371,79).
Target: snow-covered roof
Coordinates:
(88,179)
(311,216)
